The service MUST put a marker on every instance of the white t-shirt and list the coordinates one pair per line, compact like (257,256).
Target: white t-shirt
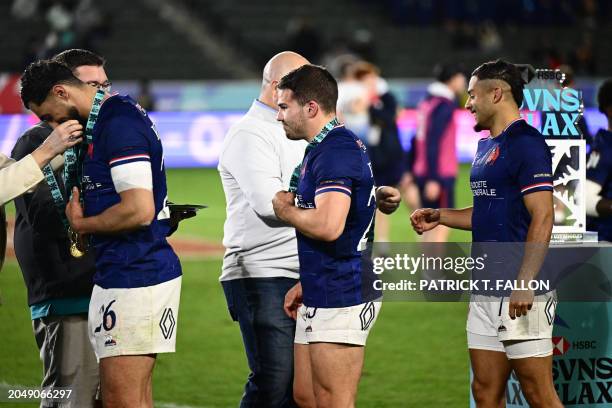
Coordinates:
(256,161)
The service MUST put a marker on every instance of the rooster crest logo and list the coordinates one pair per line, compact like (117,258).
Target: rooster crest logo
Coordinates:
(492,156)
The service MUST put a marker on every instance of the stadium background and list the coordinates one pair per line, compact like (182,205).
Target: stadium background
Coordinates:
(196,65)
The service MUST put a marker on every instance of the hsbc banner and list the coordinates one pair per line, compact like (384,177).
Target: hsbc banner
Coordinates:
(582,362)
(582,340)
(582,367)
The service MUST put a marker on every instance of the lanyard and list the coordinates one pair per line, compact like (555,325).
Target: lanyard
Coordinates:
(73,160)
(295,177)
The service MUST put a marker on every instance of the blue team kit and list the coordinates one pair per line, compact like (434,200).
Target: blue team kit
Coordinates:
(505,169)
(332,273)
(125,134)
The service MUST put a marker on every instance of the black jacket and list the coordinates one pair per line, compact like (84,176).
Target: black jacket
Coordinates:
(388,155)
(41,241)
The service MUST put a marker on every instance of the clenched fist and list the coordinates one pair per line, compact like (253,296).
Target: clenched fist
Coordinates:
(425,219)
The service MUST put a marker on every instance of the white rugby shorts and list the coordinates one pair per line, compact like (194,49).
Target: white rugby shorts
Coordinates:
(489,326)
(344,325)
(134,321)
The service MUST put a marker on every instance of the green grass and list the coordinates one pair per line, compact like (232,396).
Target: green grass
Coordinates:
(416,354)
(199,186)
(401,231)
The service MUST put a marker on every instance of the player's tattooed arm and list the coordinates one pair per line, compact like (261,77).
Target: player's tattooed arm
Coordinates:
(325,222)
(540,207)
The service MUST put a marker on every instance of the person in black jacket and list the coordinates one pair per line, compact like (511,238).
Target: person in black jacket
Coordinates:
(386,152)
(59,285)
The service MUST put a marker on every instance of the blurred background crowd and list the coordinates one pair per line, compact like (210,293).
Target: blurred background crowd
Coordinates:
(401,65)
(232,38)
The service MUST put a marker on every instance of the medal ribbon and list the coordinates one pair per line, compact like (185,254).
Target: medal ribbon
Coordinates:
(295,177)
(73,163)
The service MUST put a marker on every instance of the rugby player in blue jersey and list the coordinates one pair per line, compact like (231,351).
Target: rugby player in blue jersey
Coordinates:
(511,181)
(331,204)
(134,304)
(599,170)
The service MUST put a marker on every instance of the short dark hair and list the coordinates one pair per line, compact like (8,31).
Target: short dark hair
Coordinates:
(312,83)
(40,76)
(446,72)
(503,71)
(604,96)
(77,57)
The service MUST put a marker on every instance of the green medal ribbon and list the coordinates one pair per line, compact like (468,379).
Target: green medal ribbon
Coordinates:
(73,163)
(73,157)
(295,177)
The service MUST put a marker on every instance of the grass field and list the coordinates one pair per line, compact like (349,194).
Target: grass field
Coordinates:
(416,354)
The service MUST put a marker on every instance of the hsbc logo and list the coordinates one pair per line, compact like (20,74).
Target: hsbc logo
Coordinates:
(560,346)
(584,345)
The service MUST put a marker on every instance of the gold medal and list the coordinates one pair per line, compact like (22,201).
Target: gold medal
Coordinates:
(75,251)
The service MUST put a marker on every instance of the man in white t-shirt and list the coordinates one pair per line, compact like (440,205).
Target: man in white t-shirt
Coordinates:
(261,260)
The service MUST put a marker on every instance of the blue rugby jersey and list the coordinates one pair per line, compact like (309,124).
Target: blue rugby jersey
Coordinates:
(124,134)
(599,170)
(332,273)
(506,168)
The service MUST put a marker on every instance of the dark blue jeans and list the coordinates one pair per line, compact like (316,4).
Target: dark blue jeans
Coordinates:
(268,333)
